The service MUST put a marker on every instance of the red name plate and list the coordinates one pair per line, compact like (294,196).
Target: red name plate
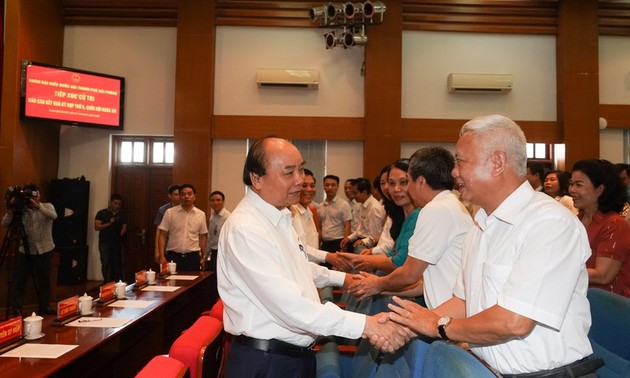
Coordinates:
(107,291)
(141,278)
(11,329)
(164,269)
(68,307)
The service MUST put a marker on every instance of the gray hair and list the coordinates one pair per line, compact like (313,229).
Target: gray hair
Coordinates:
(500,133)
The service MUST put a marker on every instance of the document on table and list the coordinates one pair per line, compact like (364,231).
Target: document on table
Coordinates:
(183,277)
(161,288)
(132,304)
(96,322)
(39,351)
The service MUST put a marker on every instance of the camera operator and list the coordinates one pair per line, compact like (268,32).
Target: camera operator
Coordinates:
(37,220)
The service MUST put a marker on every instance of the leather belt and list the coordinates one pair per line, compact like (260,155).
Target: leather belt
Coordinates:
(577,369)
(184,254)
(274,346)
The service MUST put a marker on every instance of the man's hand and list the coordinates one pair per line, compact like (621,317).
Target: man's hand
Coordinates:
(344,241)
(366,251)
(385,334)
(365,285)
(338,262)
(358,243)
(413,316)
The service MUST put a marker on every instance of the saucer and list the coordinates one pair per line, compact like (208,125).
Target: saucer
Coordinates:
(34,338)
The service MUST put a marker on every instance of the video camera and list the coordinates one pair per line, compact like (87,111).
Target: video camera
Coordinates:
(22,196)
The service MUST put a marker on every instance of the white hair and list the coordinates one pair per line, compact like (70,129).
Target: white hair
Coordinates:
(499,133)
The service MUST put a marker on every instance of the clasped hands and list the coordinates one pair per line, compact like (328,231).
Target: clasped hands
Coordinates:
(385,334)
(346,262)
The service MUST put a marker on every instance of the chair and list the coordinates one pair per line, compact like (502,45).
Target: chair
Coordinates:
(164,367)
(449,360)
(200,347)
(610,332)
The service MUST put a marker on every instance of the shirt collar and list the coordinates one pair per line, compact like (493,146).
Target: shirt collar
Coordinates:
(268,211)
(511,207)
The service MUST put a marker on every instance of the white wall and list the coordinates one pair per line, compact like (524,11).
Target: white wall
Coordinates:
(146,58)
(428,58)
(614,88)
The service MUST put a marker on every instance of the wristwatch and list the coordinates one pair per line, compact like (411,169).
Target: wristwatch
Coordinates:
(442,323)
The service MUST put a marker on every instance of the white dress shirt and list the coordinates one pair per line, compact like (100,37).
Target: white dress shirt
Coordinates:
(267,285)
(371,221)
(333,215)
(184,228)
(385,242)
(438,239)
(529,257)
(215,223)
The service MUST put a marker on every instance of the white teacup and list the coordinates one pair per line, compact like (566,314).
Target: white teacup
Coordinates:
(120,289)
(85,304)
(150,277)
(172,267)
(33,327)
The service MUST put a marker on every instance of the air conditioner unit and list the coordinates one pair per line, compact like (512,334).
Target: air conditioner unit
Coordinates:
(479,83)
(285,78)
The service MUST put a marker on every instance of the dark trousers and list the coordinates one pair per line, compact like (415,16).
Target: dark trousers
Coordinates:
(111,261)
(186,262)
(40,267)
(246,362)
(331,245)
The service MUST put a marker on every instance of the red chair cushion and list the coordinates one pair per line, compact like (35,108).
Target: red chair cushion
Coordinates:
(163,366)
(191,345)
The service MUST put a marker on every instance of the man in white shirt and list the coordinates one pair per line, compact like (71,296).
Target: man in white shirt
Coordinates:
(267,284)
(435,249)
(335,216)
(218,216)
(355,206)
(184,233)
(371,217)
(304,225)
(520,299)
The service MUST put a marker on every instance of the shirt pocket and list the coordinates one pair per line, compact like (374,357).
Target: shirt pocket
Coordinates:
(494,277)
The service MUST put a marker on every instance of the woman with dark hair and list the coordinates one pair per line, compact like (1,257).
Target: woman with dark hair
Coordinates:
(403,219)
(556,185)
(599,195)
(385,242)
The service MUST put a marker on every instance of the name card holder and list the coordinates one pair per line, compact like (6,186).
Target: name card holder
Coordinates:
(141,280)
(107,294)
(164,270)
(11,334)
(67,311)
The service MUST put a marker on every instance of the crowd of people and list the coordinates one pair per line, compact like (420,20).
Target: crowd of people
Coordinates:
(478,247)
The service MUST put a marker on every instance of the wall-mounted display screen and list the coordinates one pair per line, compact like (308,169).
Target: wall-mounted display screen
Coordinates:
(70,96)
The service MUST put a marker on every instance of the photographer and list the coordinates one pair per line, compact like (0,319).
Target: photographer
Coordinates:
(36,222)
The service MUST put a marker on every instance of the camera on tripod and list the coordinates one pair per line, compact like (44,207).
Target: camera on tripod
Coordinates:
(17,198)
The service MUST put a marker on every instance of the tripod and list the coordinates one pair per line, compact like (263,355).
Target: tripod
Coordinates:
(15,231)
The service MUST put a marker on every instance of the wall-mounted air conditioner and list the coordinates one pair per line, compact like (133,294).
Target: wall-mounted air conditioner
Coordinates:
(479,83)
(285,78)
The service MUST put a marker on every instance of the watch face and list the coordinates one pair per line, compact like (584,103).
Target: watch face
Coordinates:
(444,321)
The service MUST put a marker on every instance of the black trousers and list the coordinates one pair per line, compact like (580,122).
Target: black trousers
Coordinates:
(246,362)
(187,262)
(40,267)
(331,245)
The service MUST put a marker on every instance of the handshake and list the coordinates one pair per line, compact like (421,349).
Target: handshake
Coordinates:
(385,334)
(345,262)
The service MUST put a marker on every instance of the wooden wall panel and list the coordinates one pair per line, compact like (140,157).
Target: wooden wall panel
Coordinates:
(194,97)
(308,128)
(447,130)
(617,116)
(578,79)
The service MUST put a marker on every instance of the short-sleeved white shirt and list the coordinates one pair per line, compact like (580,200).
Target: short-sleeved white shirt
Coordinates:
(438,238)
(184,228)
(529,257)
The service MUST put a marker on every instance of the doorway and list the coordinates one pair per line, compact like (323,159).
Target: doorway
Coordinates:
(143,185)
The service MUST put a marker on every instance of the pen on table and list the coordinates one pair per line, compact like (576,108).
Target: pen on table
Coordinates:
(89,320)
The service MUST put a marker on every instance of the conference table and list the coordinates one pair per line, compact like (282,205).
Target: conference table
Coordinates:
(121,351)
